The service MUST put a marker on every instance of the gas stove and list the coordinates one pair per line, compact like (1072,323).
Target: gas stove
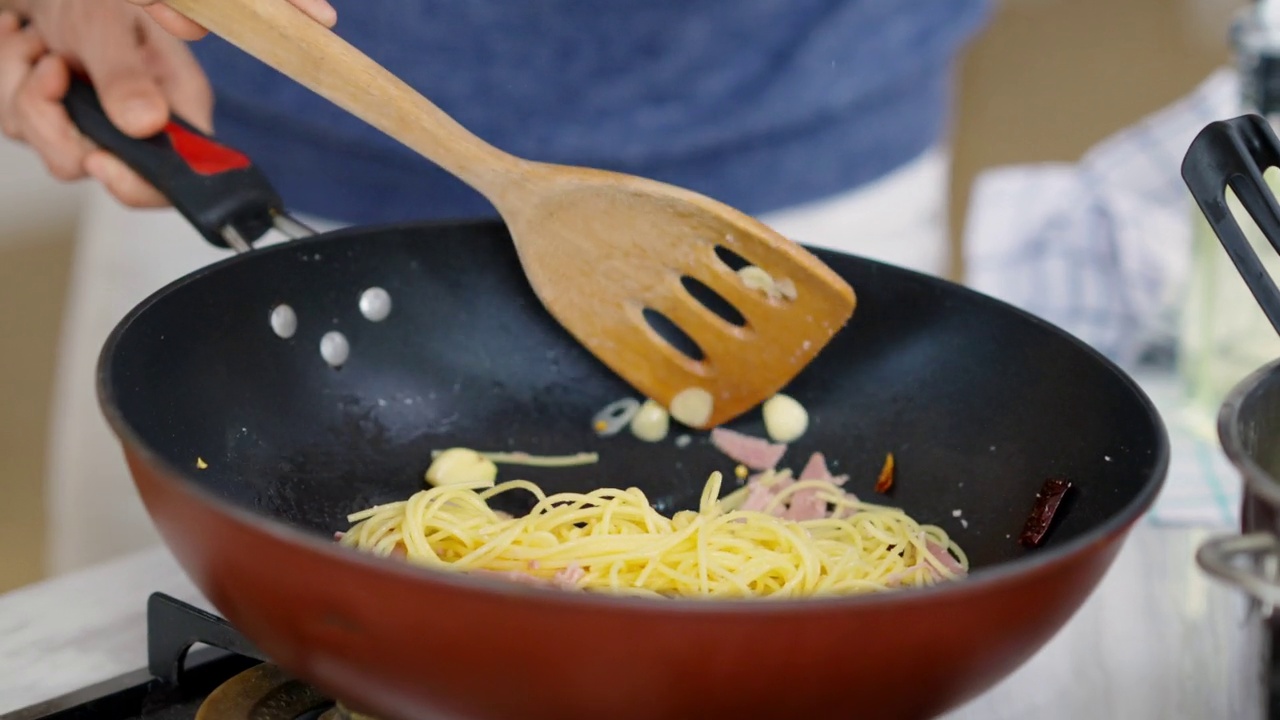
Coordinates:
(198,667)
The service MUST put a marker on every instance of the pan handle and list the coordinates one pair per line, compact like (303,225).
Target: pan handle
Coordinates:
(1221,556)
(1234,153)
(218,189)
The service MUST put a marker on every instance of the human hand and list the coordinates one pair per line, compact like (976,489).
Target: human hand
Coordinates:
(185,28)
(140,72)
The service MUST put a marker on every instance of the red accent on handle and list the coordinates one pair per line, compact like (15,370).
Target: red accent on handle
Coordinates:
(202,154)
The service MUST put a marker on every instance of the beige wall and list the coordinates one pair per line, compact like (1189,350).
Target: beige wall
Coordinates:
(37,218)
(1052,77)
(1047,80)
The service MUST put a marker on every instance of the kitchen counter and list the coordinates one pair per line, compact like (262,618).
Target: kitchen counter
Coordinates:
(1157,640)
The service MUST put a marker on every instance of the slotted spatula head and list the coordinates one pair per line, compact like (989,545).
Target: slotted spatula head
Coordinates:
(619,259)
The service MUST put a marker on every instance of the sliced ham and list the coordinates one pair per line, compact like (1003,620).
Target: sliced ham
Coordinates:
(514,576)
(816,469)
(758,497)
(756,453)
(338,535)
(568,578)
(777,481)
(948,561)
(805,504)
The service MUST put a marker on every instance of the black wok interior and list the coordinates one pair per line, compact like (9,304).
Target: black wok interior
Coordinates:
(978,402)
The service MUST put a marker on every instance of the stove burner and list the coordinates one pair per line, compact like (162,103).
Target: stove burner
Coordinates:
(263,692)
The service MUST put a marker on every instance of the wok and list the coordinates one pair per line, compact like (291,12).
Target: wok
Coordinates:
(249,450)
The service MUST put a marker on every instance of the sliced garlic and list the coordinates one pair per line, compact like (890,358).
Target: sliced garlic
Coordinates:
(461,465)
(692,406)
(756,278)
(787,289)
(650,422)
(785,419)
(759,279)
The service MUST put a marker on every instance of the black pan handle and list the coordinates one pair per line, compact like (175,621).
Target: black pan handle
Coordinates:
(215,187)
(1234,153)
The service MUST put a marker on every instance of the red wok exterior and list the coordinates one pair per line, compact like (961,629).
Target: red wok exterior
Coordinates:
(404,643)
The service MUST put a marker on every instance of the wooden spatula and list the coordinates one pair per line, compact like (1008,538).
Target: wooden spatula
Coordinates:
(606,253)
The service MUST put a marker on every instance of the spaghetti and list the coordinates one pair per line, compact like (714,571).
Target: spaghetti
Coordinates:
(746,545)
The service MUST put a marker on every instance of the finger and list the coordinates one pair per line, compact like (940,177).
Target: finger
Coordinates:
(319,10)
(184,28)
(175,23)
(127,186)
(19,50)
(180,77)
(43,121)
(113,57)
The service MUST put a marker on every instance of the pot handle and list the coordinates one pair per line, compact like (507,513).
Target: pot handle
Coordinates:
(216,188)
(1234,153)
(1219,557)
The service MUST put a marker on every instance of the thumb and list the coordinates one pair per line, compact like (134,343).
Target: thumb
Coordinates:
(116,63)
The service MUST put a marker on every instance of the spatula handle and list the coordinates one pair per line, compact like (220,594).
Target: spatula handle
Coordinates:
(1234,153)
(282,36)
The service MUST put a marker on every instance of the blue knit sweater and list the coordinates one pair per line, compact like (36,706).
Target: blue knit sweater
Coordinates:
(759,103)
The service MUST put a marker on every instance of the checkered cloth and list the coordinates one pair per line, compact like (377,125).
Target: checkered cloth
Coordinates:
(1101,248)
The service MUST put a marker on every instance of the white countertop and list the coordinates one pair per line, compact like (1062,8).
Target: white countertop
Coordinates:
(1157,640)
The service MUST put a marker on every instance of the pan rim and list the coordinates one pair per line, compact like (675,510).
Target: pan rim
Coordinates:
(1113,529)
(1256,479)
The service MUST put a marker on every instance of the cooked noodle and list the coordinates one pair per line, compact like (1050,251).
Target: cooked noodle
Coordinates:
(614,541)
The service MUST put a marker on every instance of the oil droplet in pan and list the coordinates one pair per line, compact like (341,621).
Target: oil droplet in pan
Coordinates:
(284,322)
(375,304)
(334,348)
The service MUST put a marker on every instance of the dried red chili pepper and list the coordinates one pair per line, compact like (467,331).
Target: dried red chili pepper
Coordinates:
(1046,506)
(885,481)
